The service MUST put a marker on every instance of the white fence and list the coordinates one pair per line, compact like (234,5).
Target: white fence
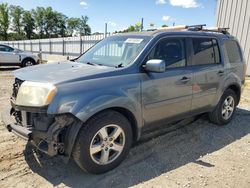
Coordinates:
(69,46)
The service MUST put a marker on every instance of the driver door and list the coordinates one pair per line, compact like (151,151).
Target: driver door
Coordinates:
(168,95)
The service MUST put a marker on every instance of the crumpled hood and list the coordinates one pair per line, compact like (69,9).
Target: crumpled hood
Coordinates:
(60,72)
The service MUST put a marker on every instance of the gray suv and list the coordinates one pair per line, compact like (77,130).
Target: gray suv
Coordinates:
(94,107)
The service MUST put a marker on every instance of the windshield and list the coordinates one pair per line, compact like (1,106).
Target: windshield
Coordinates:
(116,51)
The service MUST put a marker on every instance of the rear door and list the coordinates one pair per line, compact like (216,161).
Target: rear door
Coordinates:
(7,55)
(209,72)
(169,94)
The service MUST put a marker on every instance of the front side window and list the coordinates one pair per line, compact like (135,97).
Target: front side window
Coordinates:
(5,49)
(233,51)
(172,51)
(116,51)
(206,51)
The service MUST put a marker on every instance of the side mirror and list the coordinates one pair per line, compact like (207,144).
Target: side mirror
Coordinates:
(155,65)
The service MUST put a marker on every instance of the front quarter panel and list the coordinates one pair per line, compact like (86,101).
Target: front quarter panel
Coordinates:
(85,98)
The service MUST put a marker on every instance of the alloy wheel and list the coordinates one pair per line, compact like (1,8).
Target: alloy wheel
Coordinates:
(228,107)
(107,144)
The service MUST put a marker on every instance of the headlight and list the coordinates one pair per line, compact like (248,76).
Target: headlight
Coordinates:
(35,94)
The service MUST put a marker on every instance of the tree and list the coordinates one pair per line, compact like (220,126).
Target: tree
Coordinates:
(4,20)
(84,28)
(138,26)
(28,23)
(38,23)
(50,20)
(61,24)
(72,25)
(132,28)
(39,18)
(79,25)
(16,13)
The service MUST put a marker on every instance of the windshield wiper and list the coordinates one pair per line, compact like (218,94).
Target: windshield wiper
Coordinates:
(94,64)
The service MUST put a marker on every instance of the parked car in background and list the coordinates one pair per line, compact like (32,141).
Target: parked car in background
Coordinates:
(94,107)
(11,56)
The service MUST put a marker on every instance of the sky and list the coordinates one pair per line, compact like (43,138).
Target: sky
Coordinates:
(119,14)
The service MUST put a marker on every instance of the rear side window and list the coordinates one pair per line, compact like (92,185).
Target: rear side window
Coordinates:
(233,51)
(206,51)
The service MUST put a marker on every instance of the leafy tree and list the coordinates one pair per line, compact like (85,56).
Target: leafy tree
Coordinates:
(80,25)
(4,20)
(132,28)
(72,25)
(84,28)
(138,26)
(61,24)
(28,23)
(38,23)
(16,13)
(39,18)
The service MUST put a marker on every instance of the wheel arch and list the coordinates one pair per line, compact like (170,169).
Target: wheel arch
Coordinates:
(129,115)
(237,89)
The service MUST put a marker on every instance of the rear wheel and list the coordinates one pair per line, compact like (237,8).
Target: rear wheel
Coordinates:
(225,109)
(103,143)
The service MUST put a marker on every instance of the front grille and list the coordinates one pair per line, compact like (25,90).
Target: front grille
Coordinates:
(16,87)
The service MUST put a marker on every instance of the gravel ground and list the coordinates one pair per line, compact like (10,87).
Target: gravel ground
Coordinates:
(196,154)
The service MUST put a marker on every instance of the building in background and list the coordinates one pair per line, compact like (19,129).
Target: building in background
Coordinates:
(235,14)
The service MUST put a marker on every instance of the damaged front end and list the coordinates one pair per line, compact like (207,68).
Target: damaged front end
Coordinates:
(51,134)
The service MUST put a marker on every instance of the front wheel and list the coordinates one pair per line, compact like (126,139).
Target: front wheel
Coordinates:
(103,143)
(225,109)
(28,63)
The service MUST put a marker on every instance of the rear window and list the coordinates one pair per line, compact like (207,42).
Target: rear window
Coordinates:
(233,51)
(206,51)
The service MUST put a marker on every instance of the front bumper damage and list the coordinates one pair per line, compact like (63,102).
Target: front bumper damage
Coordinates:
(52,135)
(10,124)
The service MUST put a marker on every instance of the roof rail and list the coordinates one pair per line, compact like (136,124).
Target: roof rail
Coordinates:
(199,27)
(184,27)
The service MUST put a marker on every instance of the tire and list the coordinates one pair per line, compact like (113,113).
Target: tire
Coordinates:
(91,134)
(28,62)
(218,116)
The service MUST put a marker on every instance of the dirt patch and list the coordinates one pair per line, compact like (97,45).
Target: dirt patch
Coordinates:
(197,154)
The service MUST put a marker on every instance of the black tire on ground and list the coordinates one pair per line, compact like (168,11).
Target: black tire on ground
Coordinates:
(28,62)
(216,115)
(81,151)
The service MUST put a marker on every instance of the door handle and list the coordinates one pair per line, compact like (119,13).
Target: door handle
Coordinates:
(221,73)
(185,79)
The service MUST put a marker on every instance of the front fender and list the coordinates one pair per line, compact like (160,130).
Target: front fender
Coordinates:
(85,98)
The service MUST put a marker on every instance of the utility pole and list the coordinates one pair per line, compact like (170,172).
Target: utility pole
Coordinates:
(142,24)
(106,30)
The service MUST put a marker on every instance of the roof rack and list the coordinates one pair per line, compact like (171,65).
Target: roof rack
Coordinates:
(199,27)
(196,27)
(223,30)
